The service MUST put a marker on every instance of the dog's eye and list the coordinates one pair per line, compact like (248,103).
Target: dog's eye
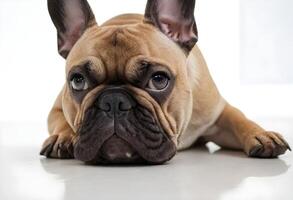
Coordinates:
(158,81)
(78,82)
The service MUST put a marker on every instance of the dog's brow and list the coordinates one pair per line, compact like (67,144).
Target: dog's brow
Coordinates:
(144,66)
(85,65)
(84,68)
(142,70)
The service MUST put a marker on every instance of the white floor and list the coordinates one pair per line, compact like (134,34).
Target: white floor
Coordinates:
(199,173)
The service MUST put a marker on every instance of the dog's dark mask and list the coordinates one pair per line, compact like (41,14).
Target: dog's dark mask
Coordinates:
(116,129)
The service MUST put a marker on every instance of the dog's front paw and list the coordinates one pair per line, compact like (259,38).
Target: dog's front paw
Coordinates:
(58,146)
(266,145)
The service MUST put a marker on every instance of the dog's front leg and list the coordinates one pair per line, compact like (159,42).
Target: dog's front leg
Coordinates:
(254,140)
(60,142)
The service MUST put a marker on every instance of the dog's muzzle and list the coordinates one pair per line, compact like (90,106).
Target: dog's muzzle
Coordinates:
(116,129)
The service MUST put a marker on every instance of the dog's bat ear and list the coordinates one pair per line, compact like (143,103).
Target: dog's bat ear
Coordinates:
(71,18)
(175,18)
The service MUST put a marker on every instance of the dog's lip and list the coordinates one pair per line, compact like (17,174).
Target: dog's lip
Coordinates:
(116,149)
(134,156)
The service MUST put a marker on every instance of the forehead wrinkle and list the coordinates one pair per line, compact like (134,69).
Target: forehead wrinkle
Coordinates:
(126,46)
(122,43)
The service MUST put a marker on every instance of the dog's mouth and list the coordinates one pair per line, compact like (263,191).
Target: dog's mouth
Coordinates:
(115,130)
(117,151)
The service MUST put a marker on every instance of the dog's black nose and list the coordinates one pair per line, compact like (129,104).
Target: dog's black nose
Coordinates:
(115,102)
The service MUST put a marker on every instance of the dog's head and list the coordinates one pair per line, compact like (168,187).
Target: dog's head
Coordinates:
(128,96)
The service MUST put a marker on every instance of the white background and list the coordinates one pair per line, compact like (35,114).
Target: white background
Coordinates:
(247,44)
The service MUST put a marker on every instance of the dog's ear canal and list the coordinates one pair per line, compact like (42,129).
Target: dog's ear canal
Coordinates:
(71,18)
(175,18)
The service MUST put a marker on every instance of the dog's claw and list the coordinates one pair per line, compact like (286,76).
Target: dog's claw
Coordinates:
(286,143)
(46,150)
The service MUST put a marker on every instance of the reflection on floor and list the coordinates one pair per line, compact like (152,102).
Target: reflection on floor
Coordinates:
(194,174)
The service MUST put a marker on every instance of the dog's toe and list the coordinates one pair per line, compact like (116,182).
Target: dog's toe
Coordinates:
(57,146)
(48,145)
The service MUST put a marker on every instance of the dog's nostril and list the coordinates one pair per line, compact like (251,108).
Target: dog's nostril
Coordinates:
(107,107)
(124,106)
(104,106)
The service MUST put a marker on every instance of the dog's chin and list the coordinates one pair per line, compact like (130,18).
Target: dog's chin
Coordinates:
(115,150)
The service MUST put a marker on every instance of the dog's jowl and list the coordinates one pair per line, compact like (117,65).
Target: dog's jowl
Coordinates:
(138,89)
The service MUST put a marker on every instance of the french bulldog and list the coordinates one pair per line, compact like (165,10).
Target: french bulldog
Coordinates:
(138,89)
